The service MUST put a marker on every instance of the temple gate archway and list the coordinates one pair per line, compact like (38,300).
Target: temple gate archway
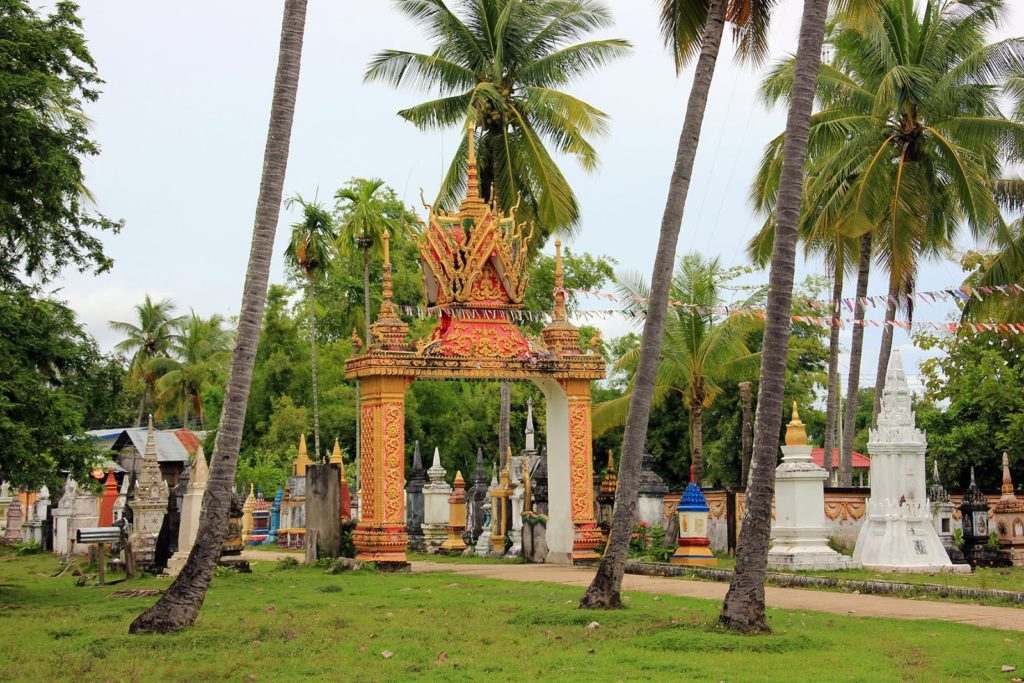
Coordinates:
(474,271)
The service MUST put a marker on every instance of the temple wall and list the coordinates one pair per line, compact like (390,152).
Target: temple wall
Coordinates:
(559,528)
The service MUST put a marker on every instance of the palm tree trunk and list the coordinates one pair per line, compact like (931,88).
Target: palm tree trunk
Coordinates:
(746,431)
(856,351)
(311,301)
(142,404)
(504,414)
(886,349)
(832,402)
(697,437)
(743,609)
(366,294)
(604,590)
(179,605)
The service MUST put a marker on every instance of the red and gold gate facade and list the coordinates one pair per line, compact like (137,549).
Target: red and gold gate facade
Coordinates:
(474,265)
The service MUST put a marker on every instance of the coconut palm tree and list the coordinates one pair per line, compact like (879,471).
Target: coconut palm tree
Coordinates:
(1006,265)
(178,607)
(498,66)
(310,247)
(743,609)
(198,358)
(909,137)
(703,348)
(364,218)
(148,338)
(689,29)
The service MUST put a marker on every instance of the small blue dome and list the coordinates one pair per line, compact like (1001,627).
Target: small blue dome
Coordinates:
(693,500)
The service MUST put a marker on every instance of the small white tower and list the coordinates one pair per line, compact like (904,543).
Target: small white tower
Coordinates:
(898,534)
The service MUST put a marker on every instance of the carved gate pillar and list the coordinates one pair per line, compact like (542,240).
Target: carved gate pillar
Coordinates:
(587,535)
(380,535)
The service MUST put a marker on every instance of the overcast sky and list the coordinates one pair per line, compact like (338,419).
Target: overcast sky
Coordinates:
(182,124)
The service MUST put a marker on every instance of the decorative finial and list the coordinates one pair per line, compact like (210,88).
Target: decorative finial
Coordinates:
(472,205)
(973,484)
(200,470)
(611,461)
(559,293)
(336,456)
(1007,488)
(302,461)
(796,434)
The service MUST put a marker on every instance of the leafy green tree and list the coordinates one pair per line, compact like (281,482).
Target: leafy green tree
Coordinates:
(703,350)
(49,369)
(368,209)
(46,72)
(200,353)
(973,406)
(498,66)
(149,338)
(310,249)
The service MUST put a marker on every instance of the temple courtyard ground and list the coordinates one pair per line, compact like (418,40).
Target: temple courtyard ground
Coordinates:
(467,622)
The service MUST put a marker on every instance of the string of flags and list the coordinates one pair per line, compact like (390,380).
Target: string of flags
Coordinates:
(522,316)
(960,294)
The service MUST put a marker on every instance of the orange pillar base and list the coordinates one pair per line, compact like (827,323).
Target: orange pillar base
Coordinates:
(587,538)
(688,555)
(383,545)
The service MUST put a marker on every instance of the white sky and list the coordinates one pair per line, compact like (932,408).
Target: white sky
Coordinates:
(183,117)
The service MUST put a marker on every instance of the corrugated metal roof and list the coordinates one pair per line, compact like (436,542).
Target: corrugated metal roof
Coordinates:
(169,447)
(859,460)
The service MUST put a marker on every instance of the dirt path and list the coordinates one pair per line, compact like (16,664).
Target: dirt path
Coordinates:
(1006,618)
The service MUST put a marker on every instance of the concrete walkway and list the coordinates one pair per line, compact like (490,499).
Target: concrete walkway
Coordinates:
(1006,618)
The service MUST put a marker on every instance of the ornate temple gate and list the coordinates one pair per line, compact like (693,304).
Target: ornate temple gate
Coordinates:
(474,266)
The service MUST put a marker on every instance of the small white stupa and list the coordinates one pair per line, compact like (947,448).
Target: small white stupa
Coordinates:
(897,534)
(799,532)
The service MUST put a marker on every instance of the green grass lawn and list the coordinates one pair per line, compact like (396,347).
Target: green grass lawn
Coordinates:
(303,624)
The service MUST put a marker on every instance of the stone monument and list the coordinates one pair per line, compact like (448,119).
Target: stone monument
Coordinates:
(799,537)
(1009,518)
(456,517)
(85,513)
(12,534)
(148,506)
(435,505)
(5,502)
(62,517)
(35,529)
(414,502)
(475,500)
(108,499)
(650,504)
(275,517)
(942,515)
(974,515)
(897,533)
(483,541)
(191,507)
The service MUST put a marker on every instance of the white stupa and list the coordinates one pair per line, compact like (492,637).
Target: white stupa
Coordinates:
(898,534)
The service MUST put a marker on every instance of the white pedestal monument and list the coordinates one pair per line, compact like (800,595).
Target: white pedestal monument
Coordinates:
(191,506)
(799,533)
(149,505)
(435,505)
(62,517)
(897,534)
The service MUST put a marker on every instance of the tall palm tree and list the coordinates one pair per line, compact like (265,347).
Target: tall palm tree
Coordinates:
(364,219)
(179,606)
(743,609)
(703,349)
(310,248)
(909,137)
(688,28)
(199,356)
(498,65)
(148,338)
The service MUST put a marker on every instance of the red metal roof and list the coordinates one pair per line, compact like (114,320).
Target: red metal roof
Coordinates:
(860,461)
(188,439)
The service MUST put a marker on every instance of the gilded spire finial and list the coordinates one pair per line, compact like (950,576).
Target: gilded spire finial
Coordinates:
(796,434)
(336,455)
(387,306)
(472,205)
(1007,488)
(302,461)
(611,461)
